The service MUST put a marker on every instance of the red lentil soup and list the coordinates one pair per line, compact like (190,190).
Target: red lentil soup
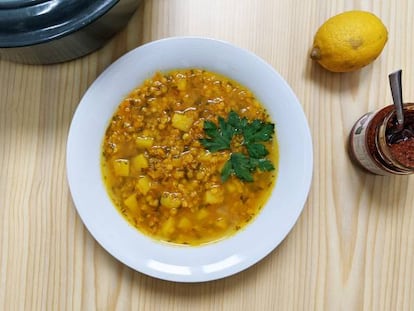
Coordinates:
(158,174)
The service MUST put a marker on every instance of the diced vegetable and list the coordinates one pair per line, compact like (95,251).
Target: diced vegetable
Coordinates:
(168,227)
(170,200)
(139,162)
(202,214)
(184,223)
(235,187)
(221,223)
(121,167)
(144,184)
(144,142)
(205,157)
(182,122)
(214,196)
(132,203)
(181,84)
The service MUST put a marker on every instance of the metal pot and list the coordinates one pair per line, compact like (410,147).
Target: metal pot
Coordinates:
(52,31)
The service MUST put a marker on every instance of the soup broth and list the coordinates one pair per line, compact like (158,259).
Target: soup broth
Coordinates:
(159,175)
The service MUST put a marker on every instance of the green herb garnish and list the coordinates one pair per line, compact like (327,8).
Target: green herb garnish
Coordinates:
(242,165)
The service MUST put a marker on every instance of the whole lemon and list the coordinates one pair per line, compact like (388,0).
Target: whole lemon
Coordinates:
(349,41)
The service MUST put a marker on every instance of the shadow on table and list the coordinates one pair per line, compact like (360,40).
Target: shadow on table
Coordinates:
(334,82)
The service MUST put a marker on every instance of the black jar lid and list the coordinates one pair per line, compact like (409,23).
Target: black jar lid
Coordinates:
(28,22)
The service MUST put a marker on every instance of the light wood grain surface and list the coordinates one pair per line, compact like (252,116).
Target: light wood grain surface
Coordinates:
(351,249)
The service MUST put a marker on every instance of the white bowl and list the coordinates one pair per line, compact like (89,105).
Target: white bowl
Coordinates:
(186,263)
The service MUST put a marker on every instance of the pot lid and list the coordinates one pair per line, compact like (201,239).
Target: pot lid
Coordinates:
(27,22)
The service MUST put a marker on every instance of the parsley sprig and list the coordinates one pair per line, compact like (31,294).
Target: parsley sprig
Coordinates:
(254,133)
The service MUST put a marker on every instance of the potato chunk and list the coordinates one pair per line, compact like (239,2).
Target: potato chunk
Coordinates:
(182,122)
(143,184)
(144,142)
(184,223)
(202,214)
(121,167)
(168,227)
(181,84)
(139,162)
(170,200)
(214,196)
(132,203)
(221,223)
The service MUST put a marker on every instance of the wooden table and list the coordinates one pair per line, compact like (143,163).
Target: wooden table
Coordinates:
(351,249)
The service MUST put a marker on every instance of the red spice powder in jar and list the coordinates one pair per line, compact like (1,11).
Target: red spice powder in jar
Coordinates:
(401,145)
(403,152)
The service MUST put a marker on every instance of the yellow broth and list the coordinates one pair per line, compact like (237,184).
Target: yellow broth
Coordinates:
(158,174)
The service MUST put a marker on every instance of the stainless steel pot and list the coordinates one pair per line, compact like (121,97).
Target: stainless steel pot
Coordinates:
(52,31)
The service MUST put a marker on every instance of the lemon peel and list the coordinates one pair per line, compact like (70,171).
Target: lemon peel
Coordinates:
(349,41)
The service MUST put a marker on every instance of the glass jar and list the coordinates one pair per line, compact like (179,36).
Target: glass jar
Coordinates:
(376,146)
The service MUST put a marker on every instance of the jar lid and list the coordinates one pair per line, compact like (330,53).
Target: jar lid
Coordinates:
(28,22)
